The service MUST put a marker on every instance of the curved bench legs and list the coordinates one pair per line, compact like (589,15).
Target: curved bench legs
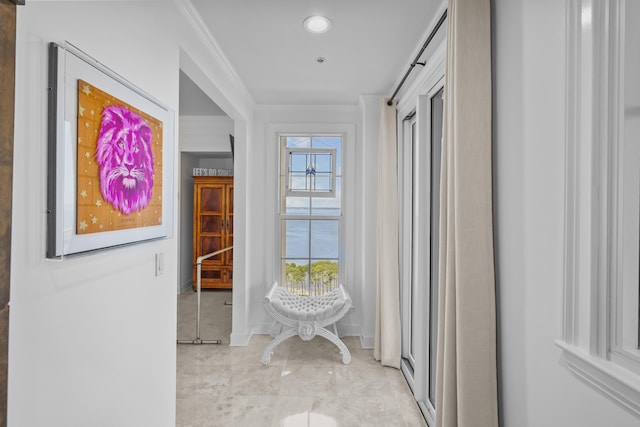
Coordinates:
(287,333)
(292,331)
(346,356)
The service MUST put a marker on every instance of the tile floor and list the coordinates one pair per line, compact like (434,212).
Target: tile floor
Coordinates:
(305,385)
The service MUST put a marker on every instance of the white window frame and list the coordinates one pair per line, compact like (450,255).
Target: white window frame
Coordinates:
(331,192)
(600,331)
(345,133)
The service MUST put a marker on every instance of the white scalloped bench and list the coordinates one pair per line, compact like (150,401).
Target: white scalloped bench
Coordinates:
(305,316)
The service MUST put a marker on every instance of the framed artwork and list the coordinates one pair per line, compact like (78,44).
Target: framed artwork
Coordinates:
(110,168)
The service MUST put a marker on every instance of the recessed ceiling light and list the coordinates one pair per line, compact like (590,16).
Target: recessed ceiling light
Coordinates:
(317,24)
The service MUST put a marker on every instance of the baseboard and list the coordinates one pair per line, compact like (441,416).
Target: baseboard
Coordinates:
(367,342)
(345,330)
(186,286)
(348,330)
(261,329)
(239,340)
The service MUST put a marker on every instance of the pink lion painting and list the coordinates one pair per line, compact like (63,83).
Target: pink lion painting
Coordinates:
(125,157)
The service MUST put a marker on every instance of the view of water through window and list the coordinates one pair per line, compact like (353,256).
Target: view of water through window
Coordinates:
(310,214)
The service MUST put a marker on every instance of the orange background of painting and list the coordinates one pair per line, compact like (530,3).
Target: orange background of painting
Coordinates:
(94,214)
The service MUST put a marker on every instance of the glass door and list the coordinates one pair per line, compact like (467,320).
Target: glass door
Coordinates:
(422,152)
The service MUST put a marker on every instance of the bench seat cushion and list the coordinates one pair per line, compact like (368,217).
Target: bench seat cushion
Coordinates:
(304,308)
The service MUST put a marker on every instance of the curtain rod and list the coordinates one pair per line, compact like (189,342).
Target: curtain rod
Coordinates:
(415,61)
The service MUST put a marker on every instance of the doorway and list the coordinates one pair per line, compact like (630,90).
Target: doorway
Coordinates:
(205,149)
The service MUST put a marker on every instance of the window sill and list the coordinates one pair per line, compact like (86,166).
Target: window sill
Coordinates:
(610,379)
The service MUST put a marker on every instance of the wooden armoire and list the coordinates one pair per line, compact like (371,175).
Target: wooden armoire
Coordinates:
(213,230)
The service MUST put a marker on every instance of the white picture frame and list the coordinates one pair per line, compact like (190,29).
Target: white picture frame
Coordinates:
(68,65)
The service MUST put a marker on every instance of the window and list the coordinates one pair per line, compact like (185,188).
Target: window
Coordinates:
(437,115)
(310,212)
(625,342)
(311,173)
(602,239)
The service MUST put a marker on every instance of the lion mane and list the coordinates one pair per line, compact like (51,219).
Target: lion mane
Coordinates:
(125,157)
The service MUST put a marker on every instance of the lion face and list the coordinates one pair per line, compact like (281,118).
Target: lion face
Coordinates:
(125,157)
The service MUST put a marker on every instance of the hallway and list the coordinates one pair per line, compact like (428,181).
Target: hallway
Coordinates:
(306,384)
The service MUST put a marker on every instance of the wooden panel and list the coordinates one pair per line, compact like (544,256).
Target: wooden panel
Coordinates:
(210,244)
(230,199)
(229,255)
(7,107)
(229,239)
(211,274)
(211,224)
(211,200)
(7,90)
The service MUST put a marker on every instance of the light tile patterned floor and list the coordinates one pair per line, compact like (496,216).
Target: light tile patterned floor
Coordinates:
(305,385)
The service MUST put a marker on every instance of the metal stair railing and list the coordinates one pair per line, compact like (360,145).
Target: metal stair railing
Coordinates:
(199,260)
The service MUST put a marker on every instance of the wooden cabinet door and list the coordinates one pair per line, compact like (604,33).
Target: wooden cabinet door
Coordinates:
(213,230)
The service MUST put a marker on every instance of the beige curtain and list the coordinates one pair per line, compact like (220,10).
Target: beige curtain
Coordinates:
(386,347)
(466,391)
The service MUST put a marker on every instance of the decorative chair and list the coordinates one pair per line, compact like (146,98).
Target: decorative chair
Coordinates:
(306,316)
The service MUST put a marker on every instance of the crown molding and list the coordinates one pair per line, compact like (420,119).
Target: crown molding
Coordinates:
(195,20)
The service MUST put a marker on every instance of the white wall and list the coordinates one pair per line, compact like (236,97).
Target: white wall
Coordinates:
(206,134)
(529,132)
(366,164)
(187,163)
(92,338)
(81,353)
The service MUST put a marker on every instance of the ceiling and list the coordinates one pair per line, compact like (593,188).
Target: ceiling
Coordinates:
(367,50)
(193,101)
